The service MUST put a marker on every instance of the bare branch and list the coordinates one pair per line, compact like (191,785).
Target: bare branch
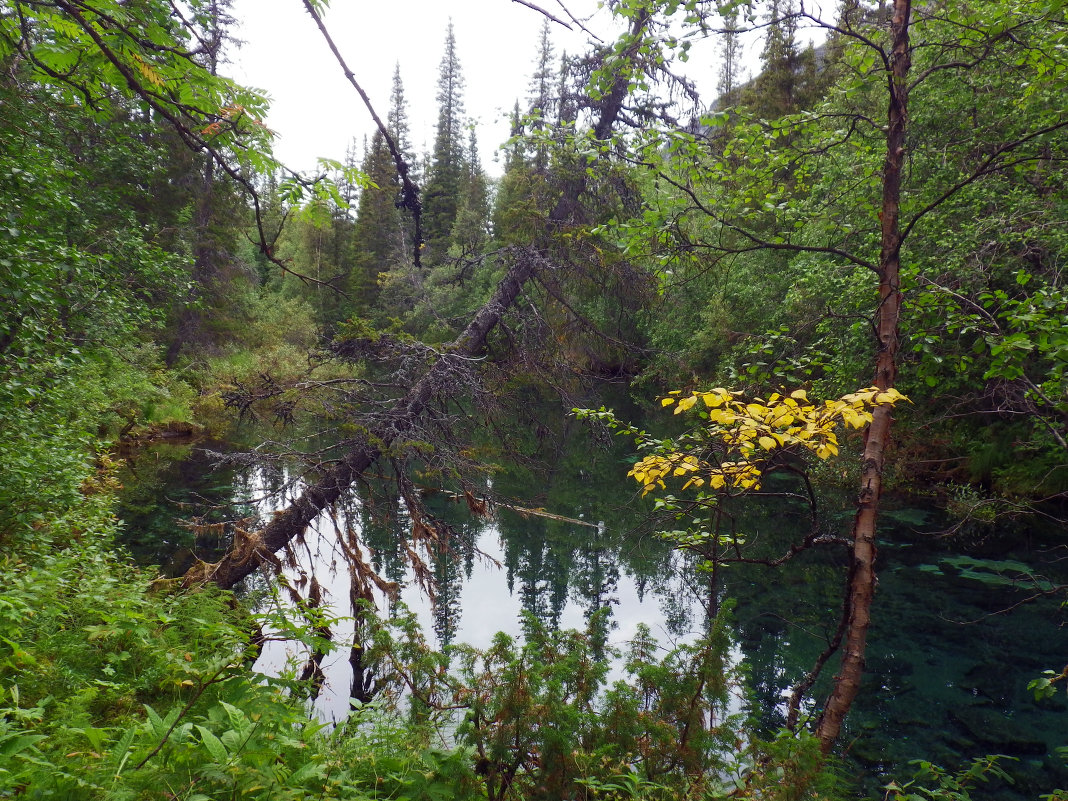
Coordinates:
(542,11)
(757,242)
(989,166)
(409,190)
(578,22)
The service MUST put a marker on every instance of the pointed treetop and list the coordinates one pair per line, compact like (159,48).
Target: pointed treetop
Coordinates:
(447,168)
(541,82)
(513,151)
(474,162)
(397,118)
(566,108)
(450,78)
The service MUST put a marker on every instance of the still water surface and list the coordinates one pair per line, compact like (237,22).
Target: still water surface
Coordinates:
(950,651)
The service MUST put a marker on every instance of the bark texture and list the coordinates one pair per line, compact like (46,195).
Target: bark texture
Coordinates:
(861,586)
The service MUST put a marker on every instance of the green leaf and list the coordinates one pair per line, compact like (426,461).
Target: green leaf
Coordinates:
(155,722)
(214,745)
(313,770)
(13,745)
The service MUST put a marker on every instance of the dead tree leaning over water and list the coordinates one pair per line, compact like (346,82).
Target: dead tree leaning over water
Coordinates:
(256,548)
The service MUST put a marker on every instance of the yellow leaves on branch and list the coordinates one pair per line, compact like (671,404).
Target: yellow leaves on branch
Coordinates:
(750,430)
(148,72)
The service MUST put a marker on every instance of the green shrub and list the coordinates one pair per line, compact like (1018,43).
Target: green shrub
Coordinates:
(113,690)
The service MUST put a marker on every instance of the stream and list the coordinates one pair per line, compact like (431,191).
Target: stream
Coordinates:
(951,648)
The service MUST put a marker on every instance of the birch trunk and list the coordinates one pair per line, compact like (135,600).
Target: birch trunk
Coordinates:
(861,584)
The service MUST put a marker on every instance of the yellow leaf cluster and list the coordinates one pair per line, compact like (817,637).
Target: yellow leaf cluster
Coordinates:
(148,72)
(752,429)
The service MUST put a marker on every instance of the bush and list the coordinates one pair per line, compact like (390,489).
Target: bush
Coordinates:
(114,692)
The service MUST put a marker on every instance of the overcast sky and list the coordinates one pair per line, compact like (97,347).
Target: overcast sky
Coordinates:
(315,112)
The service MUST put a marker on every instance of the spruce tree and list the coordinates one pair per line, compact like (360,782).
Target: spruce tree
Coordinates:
(774,92)
(400,130)
(378,236)
(566,105)
(397,119)
(731,57)
(470,233)
(513,187)
(337,234)
(541,82)
(447,168)
(350,192)
(541,95)
(384,233)
(214,214)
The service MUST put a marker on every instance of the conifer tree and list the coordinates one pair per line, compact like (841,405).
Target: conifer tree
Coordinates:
(774,92)
(384,235)
(731,57)
(513,186)
(381,236)
(470,232)
(566,107)
(513,153)
(212,234)
(541,82)
(522,192)
(541,95)
(400,130)
(378,235)
(447,169)
(350,192)
(397,118)
(339,237)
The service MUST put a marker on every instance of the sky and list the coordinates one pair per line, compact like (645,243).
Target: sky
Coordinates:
(316,112)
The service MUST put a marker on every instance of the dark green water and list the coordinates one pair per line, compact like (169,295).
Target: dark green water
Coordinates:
(951,648)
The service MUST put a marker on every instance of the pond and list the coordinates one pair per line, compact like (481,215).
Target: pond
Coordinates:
(952,646)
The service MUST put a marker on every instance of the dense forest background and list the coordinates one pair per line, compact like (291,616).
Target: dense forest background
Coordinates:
(885,210)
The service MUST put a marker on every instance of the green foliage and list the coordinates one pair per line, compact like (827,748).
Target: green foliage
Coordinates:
(530,705)
(625,786)
(89,264)
(933,783)
(763,226)
(112,692)
(53,415)
(790,767)
(379,238)
(760,231)
(103,56)
(445,177)
(539,720)
(1045,686)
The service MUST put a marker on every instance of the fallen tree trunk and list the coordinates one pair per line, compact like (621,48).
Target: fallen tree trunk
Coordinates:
(249,551)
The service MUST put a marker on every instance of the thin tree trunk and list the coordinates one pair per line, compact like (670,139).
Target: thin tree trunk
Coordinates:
(861,586)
